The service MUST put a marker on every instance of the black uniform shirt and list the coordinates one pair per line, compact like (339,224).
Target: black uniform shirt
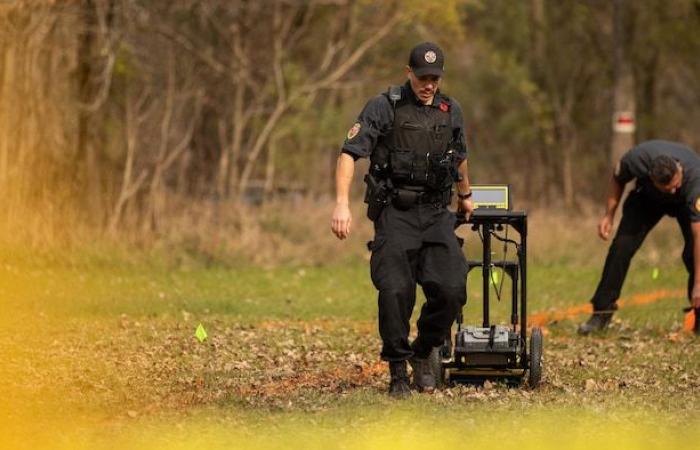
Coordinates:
(377,119)
(636,163)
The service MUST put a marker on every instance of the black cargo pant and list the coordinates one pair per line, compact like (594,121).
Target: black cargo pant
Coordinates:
(416,246)
(640,214)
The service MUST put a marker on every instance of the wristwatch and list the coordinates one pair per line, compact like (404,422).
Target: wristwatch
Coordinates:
(464,196)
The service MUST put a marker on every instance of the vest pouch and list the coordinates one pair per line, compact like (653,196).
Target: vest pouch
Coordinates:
(404,199)
(440,171)
(401,164)
(420,169)
(441,135)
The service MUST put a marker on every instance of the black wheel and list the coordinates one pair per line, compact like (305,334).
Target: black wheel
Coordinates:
(535,372)
(435,360)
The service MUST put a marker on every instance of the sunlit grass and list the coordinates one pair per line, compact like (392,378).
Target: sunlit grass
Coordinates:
(415,424)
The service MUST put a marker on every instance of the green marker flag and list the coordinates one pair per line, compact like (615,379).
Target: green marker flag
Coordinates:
(200,333)
(655,273)
(495,276)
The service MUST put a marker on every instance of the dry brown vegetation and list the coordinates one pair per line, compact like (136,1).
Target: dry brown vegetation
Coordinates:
(135,121)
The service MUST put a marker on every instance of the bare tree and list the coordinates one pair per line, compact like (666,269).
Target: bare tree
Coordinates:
(186,112)
(275,64)
(98,38)
(135,113)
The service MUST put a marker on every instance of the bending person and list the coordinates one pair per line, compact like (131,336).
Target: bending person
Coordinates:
(667,178)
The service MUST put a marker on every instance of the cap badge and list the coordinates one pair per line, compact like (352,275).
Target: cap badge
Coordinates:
(430,57)
(352,132)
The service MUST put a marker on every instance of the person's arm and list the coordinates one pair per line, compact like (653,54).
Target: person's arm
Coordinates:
(373,121)
(615,190)
(342,219)
(459,143)
(695,294)
(466,205)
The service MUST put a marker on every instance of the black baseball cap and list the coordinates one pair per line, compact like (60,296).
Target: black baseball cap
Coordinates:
(427,59)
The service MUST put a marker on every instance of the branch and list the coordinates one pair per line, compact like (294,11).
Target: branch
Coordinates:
(301,28)
(260,143)
(182,145)
(278,55)
(103,93)
(109,39)
(191,47)
(331,50)
(354,57)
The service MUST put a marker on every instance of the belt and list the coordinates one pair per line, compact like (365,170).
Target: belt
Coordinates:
(405,197)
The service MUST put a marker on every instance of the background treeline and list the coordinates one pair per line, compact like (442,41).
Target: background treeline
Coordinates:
(137,117)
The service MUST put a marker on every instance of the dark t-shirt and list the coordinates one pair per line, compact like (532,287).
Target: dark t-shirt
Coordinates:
(377,119)
(635,164)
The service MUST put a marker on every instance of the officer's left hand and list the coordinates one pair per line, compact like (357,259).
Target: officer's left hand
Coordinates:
(465,206)
(695,296)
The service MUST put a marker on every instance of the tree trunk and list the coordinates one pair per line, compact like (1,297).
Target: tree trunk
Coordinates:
(6,91)
(129,186)
(542,171)
(84,152)
(567,167)
(270,169)
(623,119)
(155,196)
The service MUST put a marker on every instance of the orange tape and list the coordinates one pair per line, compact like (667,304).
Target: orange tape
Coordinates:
(545,317)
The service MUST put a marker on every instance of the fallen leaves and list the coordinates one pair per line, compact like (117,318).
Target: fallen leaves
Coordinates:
(152,365)
(590,385)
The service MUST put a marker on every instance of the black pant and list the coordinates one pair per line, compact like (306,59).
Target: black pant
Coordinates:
(639,215)
(416,245)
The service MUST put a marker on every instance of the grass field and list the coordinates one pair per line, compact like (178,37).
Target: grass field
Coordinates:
(101,353)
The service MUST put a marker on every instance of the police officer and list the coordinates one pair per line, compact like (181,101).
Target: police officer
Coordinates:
(668,183)
(414,137)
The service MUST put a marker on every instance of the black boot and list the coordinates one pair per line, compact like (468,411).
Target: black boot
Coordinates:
(398,387)
(423,377)
(599,321)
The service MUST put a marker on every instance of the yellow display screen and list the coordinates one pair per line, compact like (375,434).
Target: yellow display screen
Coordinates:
(493,196)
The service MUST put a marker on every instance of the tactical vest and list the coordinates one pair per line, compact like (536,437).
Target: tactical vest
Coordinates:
(419,138)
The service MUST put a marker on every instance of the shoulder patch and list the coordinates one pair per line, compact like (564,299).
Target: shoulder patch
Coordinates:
(352,132)
(697,205)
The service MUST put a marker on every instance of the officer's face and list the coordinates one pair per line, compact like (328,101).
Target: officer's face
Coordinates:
(672,185)
(424,87)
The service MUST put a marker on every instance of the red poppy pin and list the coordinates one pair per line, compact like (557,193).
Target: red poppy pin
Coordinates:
(444,107)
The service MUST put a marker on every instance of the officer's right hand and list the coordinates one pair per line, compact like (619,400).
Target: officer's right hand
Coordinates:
(465,207)
(340,224)
(604,227)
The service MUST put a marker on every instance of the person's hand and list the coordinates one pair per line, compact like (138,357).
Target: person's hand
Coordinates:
(605,226)
(340,223)
(695,296)
(465,206)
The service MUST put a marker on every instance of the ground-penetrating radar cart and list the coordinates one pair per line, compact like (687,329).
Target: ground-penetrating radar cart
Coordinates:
(494,352)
